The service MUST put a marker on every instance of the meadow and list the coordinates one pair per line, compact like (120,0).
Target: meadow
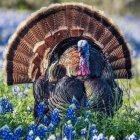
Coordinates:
(17,102)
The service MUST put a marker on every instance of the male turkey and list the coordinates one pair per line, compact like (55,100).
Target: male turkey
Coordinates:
(69,50)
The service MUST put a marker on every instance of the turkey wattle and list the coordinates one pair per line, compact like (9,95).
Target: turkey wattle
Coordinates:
(69,50)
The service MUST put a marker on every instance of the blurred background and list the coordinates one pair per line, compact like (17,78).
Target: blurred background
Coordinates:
(124,13)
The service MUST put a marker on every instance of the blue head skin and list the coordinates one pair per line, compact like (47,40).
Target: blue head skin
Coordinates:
(83,48)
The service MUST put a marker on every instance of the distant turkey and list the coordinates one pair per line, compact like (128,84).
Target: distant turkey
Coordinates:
(69,50)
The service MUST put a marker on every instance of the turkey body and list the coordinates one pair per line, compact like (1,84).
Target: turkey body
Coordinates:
(103,96)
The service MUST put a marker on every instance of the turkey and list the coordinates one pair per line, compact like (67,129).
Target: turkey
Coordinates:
(69,50)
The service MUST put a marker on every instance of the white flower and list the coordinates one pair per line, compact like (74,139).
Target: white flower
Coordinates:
(37,138)
(52,137)
(31,132)
(101,136)
(112,137)
(95,137)
(65,138)
(15,113)
(16,90)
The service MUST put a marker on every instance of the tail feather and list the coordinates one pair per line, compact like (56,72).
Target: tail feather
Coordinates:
(47,29)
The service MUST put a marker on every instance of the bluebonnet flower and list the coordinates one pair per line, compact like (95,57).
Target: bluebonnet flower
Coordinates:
(84,132)
(16,90)
(93,131)
(88,104)
(87,122)
(41,131)
(18,132)
(93,127)
(45,120)
(5,106)
(69,132)
(32,128)
(133,137)
(79,119)
(51,128)
(5,132)
(71,112)
(24,95)
(55,117)
(30,136)
(26,86)
(87,113)
(40,109)
(75,102)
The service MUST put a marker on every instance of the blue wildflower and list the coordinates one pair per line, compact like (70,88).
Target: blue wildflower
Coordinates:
(5,106)
(24,95)
(51,128)
(45,120)
(40,109)
(69,132)
(75,102)
(88,104)
(32,128)
(71,113)
(26,86)
(87,113)
(30,136)
(87,122)
(16,90)
(93,127)
(79,119)
(41,131)
(84,132)
(55,117)
(133,137)
(5,132)
(18,132)
(93,131)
